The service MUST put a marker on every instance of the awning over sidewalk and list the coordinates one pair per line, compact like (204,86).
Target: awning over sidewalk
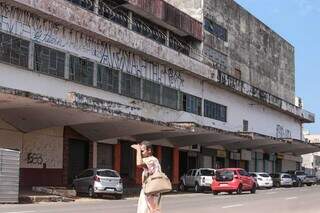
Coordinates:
(98,119)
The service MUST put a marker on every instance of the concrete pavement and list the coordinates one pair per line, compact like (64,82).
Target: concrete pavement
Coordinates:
(283,200)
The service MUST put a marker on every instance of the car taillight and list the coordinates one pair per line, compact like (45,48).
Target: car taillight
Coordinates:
(96,178)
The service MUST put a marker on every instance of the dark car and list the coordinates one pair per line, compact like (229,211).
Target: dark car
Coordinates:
(296,181)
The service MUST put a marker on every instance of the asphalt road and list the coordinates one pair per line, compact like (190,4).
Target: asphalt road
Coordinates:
(283,200)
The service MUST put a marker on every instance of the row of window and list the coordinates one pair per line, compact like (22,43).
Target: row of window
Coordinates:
(215,29)
(113,12)
(53,62)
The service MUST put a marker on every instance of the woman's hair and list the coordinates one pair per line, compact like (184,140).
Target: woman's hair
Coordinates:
(147,144)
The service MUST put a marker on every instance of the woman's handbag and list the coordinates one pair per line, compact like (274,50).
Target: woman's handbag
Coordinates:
(157,183)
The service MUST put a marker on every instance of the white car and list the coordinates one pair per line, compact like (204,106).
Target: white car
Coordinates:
(198,179)
(263,180)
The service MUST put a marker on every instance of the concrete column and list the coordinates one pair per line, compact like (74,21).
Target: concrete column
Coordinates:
(95,74)
(117,157)
(96,7)
(138,175)
(130,21)
(167,38)
(31,56)
(94,155)
(175,168)
(66,67)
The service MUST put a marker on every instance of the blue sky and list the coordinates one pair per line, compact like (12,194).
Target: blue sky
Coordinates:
(298,21)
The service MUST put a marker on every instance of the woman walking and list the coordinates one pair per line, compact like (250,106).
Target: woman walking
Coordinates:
(150,165)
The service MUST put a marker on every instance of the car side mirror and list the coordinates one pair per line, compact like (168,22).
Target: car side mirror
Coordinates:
(236,177)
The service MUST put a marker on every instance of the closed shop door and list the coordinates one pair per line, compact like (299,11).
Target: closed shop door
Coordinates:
(104,156)
(207,161)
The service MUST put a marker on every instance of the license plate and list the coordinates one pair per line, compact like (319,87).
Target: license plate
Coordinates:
(110,190)
(223,184)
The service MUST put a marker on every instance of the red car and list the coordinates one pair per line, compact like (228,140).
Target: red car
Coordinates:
(232,180)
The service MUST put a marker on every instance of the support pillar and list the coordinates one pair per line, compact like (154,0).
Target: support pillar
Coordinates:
(175,168)
(159,153)
(117,157)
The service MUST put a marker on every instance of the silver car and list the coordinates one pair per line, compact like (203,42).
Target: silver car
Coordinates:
(99,181)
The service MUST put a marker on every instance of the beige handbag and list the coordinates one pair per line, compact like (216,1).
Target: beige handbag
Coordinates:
(157,183)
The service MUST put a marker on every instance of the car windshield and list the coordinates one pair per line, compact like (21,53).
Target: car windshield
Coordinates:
(264,175)
(107,173)
(224,175)
(286,176)
(207,172)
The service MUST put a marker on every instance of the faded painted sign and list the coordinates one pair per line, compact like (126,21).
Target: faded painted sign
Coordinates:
(30,26)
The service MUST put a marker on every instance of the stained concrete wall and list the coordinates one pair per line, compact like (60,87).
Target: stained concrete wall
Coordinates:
(37,148)
(265,59)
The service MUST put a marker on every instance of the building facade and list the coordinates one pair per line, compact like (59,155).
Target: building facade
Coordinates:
(311,161)
(206,82)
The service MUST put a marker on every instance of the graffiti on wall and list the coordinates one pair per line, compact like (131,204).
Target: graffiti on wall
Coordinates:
(25,24)
(281,132)
(34,158)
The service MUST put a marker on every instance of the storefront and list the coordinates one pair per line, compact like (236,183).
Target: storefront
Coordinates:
(220,159)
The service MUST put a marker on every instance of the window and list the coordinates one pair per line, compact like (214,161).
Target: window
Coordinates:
(14,50)
(189,173)
(245,125)
(215,29)
(193,172)
(191,104)
(243,173)
(81,70)
(130,86)
(169,97)
(206,172)
(215,111)
(49,61)
(86,4)
(224,175)
(107,173)
(151,92)
(108,79)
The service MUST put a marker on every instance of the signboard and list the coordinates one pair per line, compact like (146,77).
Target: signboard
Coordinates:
(221,154)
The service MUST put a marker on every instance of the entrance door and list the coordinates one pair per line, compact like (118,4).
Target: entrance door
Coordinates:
(183,160)
(78,158)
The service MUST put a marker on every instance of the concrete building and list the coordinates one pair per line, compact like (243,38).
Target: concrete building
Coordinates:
(205,81)
(311,161)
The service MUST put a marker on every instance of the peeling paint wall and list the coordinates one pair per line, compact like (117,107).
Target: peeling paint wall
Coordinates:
(264,58)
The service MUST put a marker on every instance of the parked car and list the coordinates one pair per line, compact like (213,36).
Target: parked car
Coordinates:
(199,179)
(310,180)
(99,181)
(263,180)
(300,174)
(281,179)
(233,180)
(296,181)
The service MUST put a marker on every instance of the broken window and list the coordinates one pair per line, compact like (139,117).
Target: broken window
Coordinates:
(151,92)
(81,70)
(191,104)
(169,97)
(215,111)
(49,61)
(130,86)
(215,29)
(14,50)
(108,79)
(179,43)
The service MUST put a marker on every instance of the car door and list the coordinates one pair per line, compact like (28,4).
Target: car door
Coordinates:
(193,177)
(187,177)
(79,184)
(245,178)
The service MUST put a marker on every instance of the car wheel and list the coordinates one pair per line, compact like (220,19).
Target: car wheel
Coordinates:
(254,188)
(309,184)
(197,188)
(182,187)
(215,193)
(239,189)
(277,184)
(230,193)
(91,192)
